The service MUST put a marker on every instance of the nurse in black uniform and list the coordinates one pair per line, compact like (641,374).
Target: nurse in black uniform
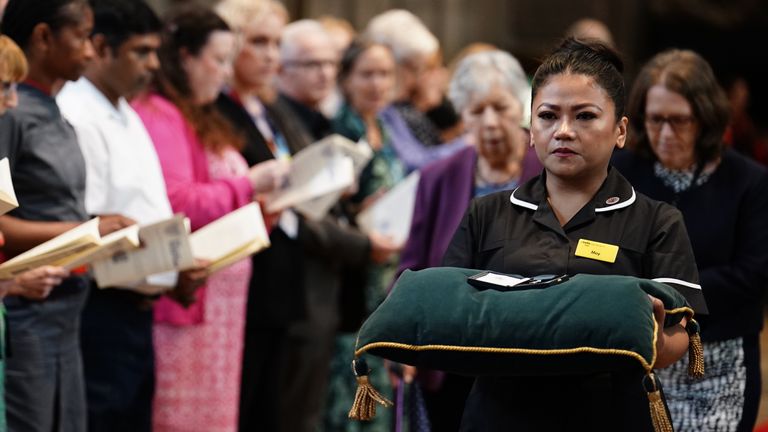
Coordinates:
(541,228)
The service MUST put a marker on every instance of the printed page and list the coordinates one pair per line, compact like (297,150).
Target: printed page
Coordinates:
(8,199)
(315,171)
(119,241)
(231,237)
(164,247)
(59,250)
(391,214)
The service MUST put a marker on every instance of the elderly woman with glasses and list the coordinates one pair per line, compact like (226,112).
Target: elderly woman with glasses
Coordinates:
(491,92)
(678,116)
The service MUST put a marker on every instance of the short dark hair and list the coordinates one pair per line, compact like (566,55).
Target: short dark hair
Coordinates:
(21,17)
(688,74)
(118,20)
(586,57)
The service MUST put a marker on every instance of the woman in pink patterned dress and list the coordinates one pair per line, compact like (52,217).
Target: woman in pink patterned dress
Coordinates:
(199,348)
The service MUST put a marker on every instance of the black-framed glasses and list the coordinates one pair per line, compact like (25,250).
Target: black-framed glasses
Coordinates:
(678,123)
(9,87)
(312,65)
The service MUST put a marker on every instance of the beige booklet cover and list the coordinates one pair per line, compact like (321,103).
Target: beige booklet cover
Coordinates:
(60,250)
(119,241)
(8,200)
(392,213)
(165,246)
(320,169)
(231,238)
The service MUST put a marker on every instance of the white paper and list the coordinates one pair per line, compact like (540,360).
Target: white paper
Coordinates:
(8,199)
(165,246)
(502,280)
(315,171)
(392,213)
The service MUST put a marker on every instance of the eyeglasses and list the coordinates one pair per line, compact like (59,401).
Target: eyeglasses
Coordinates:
(312,65)
(678,123)
(9,88)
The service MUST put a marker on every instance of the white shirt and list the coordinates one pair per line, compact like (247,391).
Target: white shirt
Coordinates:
(123,173)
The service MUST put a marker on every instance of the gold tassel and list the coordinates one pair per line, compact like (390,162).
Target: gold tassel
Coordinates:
(366,396)
(659,418)
(695,351)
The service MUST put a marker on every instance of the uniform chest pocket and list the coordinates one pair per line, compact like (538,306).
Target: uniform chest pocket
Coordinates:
(490,253)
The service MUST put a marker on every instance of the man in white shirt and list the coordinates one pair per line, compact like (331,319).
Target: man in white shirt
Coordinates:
(123,176)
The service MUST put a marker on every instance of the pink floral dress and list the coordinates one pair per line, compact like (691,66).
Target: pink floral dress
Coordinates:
(198,366)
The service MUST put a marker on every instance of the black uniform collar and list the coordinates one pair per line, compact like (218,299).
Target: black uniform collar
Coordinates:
(615,193)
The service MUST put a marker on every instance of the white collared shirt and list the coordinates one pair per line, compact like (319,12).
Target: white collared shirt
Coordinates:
(123,173)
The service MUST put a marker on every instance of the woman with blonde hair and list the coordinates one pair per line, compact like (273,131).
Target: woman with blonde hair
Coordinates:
(13,69)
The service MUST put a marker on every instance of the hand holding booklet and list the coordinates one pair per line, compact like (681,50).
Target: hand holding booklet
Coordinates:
(164,247)
(322,170)
(59,251)
(230,238)
(167,245)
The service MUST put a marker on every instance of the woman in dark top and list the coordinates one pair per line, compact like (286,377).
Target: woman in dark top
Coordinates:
(679,114)
(577,121)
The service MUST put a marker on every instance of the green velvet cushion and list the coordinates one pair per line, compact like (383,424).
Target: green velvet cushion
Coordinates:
(433,318)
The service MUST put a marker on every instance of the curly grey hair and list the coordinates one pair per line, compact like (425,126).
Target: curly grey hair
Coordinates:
(479,72)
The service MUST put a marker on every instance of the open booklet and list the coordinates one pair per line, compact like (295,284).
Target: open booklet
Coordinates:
(231,238)
(8,199)
(391,214)
(61,250)
(164,247)
(319,174)
(167,245)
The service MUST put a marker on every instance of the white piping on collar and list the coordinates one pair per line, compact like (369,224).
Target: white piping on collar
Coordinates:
(619,205)
(521,203)
(677,282)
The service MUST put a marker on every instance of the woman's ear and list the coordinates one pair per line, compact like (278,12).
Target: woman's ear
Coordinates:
(621,126)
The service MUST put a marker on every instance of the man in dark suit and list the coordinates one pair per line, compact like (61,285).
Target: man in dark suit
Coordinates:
(293,300)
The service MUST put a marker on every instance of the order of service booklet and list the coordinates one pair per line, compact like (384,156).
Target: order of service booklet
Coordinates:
(323,169)
(61,250)
(8,199)
(391,214)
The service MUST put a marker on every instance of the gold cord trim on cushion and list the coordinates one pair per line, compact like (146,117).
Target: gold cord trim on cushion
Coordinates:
(561,351)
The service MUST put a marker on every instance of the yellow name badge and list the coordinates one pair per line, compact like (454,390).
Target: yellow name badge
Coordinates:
(597,251)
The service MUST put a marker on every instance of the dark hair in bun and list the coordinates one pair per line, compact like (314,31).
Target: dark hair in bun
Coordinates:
(586,57)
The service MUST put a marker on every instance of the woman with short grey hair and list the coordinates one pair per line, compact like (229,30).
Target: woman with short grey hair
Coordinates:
(478,72)
(491,92)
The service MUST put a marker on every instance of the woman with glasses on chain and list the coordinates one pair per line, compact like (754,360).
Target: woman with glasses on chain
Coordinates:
(678,114)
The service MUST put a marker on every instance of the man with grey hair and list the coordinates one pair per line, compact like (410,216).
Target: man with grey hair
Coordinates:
(308,67)
(306,77)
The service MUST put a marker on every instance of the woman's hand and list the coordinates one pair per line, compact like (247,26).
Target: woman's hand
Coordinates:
(672,342)
(268,175)
(36,284)
(382,247)
(189,281)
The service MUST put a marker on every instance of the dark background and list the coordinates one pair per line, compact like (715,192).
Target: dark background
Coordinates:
(731,34)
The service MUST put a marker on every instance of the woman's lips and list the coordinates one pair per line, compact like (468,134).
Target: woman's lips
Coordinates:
(563,152)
